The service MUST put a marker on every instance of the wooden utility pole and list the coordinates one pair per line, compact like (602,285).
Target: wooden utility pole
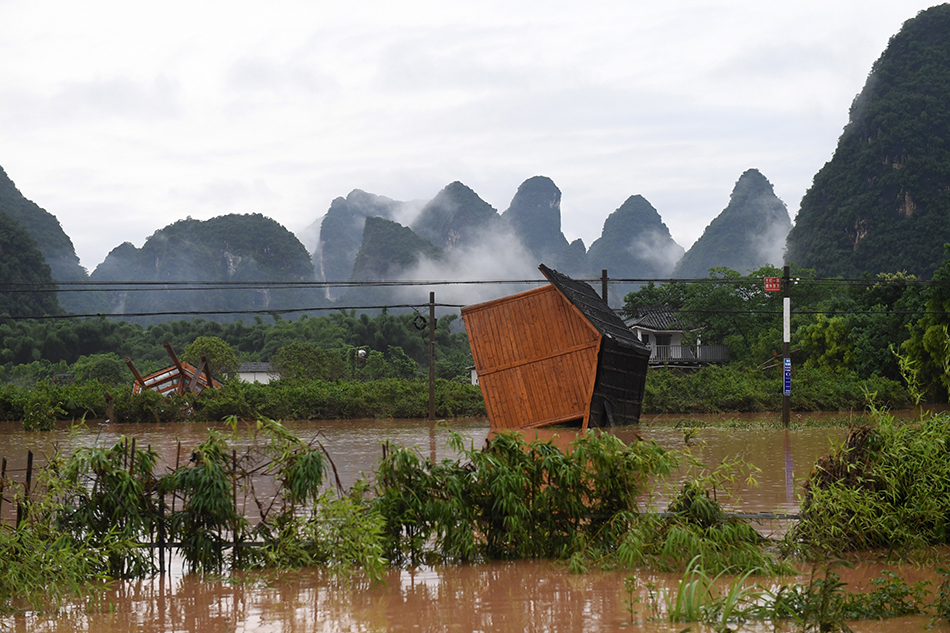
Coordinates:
(603,285)
(432,355)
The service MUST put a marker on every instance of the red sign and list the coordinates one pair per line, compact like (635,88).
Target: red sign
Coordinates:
(773,284)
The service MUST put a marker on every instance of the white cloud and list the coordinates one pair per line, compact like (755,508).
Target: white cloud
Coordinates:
(184,108)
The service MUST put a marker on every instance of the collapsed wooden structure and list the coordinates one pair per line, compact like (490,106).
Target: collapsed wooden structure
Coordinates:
(180,377)
(556,354)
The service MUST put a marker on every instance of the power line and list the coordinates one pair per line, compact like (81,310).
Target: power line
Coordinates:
(94,286)
(158,286)
(261,311)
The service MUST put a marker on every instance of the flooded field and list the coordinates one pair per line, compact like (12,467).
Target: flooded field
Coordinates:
(519,596)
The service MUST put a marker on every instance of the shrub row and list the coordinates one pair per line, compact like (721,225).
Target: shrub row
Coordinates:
(717,389)
(712,389)
(388,398)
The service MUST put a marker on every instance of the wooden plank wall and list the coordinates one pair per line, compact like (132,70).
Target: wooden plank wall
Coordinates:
(536,358)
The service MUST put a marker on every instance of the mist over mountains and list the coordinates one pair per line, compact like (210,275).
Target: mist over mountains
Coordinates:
(748,233)
(365,237)
(459,236)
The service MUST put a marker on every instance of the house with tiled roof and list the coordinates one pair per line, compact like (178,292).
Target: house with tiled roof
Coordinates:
(257,372)
(659,328)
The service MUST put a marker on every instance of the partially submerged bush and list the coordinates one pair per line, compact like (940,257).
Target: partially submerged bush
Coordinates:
(514,499)
(885,487)
(822,604)
(695,528)
(518,499)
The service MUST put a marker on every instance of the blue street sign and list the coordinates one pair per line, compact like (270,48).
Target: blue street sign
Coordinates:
(788,377)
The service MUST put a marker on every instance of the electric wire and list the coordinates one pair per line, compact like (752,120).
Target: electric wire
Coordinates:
(180,286)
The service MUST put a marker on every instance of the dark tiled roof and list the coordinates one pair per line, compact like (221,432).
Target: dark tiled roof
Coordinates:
(256,367)
(594,309)
(655,318)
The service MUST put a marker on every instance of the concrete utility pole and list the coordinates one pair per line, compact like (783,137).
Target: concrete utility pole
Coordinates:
(431,355)
(786,346)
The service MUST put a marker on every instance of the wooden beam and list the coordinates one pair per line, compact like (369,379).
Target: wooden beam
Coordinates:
(194,379)
(181,372)
(207,364)
(135,372)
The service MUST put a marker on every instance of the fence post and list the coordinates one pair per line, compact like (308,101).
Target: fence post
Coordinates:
(22,507)
(236,552)
(3,479)
(161,534)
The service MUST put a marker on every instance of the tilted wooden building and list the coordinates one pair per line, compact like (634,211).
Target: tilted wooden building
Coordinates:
(556,354)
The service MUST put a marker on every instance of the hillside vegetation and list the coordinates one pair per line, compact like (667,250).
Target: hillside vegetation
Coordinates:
(882,203)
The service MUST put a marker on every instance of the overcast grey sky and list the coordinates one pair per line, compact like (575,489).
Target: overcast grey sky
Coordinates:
(121,117)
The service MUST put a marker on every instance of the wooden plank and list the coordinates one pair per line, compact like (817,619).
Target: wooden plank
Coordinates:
(494,303)
(531,361)
(536,357)
(541,391)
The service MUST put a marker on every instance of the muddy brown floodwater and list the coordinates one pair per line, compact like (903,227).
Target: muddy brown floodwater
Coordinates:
(519,596)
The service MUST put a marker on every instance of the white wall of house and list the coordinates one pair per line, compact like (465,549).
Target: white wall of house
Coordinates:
(257,372)
(255,376)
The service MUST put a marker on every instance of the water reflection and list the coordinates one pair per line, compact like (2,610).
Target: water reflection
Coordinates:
(523,596)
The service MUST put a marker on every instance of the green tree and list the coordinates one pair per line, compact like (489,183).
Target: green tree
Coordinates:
(107,369)
(224,362)
(302,360)
(928,347)
(22,264)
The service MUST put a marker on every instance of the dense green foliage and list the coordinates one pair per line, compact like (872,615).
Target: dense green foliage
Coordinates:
(518,499)
(52,342)
(232,248)
(515,499)
(718,389)
(823,604)
(290,400)
(927,350)
(884,488)
(880,204)
(219,355)
(747,234)
(21,263)
(852,329)
(302,360)
(52,242)
(730,309)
